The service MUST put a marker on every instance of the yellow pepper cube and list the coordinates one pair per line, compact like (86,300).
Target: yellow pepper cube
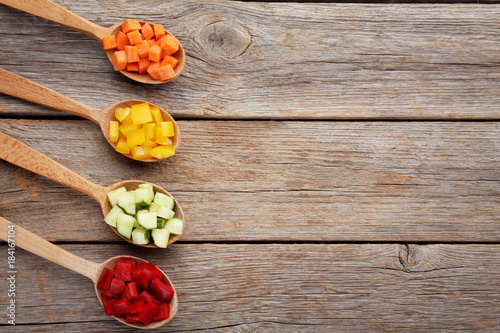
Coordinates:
(127,120)
(124,129)
(150,131)
(113,131)
(122,146)
(156,113)
(140,152)
(141,114)
(149,143)
(162,152)
(136,137)
(160,139)
(167,128)
(121,113)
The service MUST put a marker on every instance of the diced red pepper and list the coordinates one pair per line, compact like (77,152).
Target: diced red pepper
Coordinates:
(147,297)
(126,260)
(137,276)
(161,291)
(132,319)
(116,287)
(121,307)
(109,307)
(148,272)
(150,311)
(136,306)
(105,278)
(164,312)
(124,271)
(130,291)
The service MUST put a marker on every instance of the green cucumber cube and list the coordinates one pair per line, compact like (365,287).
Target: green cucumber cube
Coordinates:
(160,237)
(147,220)
(143,197)
(124,225)
(174,226)
(164,200)
(149,187)
(112,216)
(161,211)
(113,195)
(140,236)
(126,201)
(160,223)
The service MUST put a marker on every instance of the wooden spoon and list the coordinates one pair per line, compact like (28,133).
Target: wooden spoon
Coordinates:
(14,85)
(50,11)
(39,246)
(25,157)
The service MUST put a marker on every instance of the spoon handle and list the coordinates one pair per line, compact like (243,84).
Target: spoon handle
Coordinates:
(30,242)
(25,157)
(50,11)
(14,85)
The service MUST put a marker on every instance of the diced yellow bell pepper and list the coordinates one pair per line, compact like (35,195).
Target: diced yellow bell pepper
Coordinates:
(122,146)
(149,143)
(127,120)
(140,152)
(136,137)
(113,131)
(167,128)
(162,152)
(121,113)
(150,131)
(156,113)
(141,114)
(124,129)
(160,139)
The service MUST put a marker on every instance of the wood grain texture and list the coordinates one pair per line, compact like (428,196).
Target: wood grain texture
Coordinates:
(278,180)
(268,60)
(282,287)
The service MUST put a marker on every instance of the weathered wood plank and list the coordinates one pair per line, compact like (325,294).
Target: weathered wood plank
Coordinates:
(267,60)
(282,287)
(262,180)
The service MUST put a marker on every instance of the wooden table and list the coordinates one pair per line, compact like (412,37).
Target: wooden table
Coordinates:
(339,166)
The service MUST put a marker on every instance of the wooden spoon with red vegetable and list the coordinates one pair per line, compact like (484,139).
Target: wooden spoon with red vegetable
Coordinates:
(50,11)
(119,277)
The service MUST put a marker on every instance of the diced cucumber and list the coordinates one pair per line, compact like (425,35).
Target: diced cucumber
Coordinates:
(147,220)
(161,211)
(112,216)
(160,223)
(148,186)
(164,200)
(160,237)
(126,201)
(136,225)
(174,226)
(124,225)
(141,236)
(143,197)
(113,195)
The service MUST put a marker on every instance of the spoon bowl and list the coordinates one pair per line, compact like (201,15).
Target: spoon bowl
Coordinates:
(41,247)
(25,157)
(50,11)
(14,85)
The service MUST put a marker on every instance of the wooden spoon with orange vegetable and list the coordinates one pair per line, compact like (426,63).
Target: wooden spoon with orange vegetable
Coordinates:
(50,11)
(28,158)
(14,85)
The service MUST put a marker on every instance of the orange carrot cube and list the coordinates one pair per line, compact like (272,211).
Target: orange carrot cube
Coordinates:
(159,31)
(170,44)
(166,72)
(134,37)
(143,65)
(132,53)
(155,53)
(133,67)
(143,49)
(151,42)
(147,31)
(121,41)
(119,60)
(130,25)
(108,42)
(169,60)
(153,70)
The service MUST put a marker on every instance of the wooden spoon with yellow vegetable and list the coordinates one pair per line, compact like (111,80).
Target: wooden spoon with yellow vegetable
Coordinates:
(135,128)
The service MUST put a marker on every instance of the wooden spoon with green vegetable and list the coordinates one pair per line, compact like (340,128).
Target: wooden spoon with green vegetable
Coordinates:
(25,157)
(50,11)
(41,247)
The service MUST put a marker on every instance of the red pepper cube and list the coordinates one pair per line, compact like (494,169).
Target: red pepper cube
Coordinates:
(126,260)
(109,307)
(124,271)
(147,297)
(105,278)
(116,287)
(132,319)
(136,306)
(130,291)
(149,271)
(121,307)
(161,291)
(150,311)
(164,312)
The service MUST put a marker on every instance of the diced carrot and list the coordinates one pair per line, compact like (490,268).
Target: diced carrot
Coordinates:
(153,70)
(151,42)
(143,65)
(170,44)
(119,60)
(130,25)
(147,31)
(143,49)
(134,37)
(166,72)
(133,67)
(121,41)
(132,54)
(108,42)
(159,30)
(155,53)
(169,60)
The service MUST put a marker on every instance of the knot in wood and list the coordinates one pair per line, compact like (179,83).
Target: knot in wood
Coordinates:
(224,39)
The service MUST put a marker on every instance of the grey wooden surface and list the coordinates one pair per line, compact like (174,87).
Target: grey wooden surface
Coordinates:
(338,168)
